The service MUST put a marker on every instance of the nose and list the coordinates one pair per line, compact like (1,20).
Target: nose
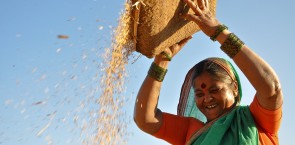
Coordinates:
(207,98)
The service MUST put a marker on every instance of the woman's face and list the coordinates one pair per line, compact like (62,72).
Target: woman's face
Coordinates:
(213,97)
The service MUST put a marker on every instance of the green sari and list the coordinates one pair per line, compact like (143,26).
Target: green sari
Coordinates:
(235,127)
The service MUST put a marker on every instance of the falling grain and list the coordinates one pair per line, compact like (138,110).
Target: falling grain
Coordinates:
(62,36)
(111,122)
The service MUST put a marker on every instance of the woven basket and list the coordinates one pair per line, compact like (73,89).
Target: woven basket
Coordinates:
(157,24)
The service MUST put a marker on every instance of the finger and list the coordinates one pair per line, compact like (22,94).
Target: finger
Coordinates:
(206,4)
(201,4)
(178,46)
(184,41)
(190,17)
(193,6)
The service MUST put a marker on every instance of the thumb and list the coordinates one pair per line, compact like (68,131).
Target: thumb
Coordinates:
(184,41)
(178,46)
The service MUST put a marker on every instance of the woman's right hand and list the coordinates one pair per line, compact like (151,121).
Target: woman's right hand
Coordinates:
(202,17)
(172,50)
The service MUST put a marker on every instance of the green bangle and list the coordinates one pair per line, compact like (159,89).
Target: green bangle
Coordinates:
(232,45)
(157,72)
(219,29)
(166,56)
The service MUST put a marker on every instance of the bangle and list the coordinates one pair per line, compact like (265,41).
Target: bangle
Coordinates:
(232,45)
(157,72)
(219,29)
(166,56)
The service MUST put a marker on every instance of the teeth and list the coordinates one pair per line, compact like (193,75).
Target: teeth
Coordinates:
(211,106)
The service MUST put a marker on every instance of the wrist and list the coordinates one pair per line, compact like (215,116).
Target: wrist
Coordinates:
(160,61)
(223,36)
(218,30)
(157,72)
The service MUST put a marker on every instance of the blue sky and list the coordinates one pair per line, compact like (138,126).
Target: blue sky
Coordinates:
(43,77)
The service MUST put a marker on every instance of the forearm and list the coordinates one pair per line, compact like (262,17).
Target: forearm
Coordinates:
(259,73)
(146,114)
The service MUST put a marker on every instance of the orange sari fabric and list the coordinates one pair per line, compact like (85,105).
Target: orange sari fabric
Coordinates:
(177,130)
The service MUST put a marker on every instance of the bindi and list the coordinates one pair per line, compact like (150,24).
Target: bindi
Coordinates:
(203,86)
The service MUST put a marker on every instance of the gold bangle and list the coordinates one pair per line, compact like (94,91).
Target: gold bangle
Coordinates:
(232,45)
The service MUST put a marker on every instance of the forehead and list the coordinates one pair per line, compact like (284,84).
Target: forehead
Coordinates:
(205,79)
(204,76)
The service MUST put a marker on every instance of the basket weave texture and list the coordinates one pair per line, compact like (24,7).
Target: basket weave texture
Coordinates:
(159,25)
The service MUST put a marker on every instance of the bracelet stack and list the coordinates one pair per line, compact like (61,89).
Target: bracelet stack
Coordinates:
(157,72)
(232,45)
(219,29)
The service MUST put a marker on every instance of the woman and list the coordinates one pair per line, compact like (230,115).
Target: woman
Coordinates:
(213,88)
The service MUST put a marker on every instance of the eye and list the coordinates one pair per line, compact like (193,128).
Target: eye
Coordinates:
(215,90)
(199,94)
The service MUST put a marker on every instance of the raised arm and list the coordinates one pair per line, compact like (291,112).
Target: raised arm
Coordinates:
(146,114)
(258,72)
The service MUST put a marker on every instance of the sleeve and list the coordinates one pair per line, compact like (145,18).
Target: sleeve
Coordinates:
(268,120)
(174,129)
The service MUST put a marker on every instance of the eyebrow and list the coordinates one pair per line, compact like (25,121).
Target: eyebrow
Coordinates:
(208,88)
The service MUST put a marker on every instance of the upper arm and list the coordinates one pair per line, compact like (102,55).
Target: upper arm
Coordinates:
(262,76)
(151,125)
(271,102)
(174,129)
(269,120)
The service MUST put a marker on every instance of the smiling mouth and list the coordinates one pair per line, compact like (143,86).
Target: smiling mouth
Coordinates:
(211,106)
